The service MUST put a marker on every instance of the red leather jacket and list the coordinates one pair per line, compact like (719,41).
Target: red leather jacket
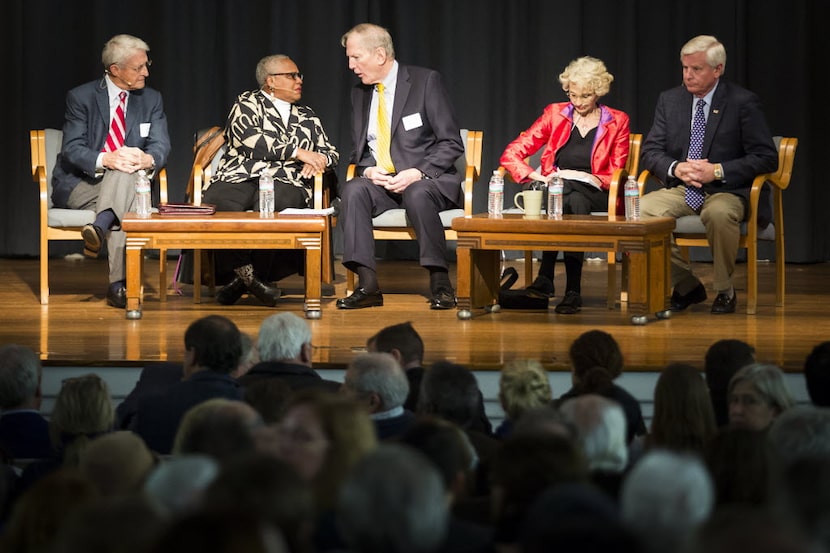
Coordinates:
(552,130)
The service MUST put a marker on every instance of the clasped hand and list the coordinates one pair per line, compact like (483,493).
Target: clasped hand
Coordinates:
(313,162)
(127,159)
(395,183)
(695,172)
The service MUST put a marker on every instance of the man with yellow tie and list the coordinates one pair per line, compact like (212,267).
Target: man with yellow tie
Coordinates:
(406,141)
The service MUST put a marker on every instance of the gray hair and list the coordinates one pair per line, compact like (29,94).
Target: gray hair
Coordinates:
(768,381)
(262,67)
(799,432)
(282,336)
(393,501)
(20,373)
(120,47)
(601,429)
(715,51)
(371,37)
(378,373)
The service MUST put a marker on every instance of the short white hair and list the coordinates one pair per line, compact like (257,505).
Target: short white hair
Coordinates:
(601,429)
(378,373)
(282,336)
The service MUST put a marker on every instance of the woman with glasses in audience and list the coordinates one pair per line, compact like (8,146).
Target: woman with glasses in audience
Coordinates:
(584,143)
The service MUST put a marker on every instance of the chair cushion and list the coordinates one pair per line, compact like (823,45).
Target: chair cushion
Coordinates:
(58,217)
(691,224)
(53,143)
(398,218)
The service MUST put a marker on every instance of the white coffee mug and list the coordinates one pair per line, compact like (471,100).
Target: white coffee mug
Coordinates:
(531,204)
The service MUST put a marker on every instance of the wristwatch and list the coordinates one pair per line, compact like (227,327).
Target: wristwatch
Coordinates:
(719,171)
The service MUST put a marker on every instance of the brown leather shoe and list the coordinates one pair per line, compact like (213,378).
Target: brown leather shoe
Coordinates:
(93,239)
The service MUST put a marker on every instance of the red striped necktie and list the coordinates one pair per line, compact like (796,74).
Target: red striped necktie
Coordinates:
(118,126)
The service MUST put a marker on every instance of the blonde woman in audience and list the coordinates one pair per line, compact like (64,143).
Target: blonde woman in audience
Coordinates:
(523,385)
(758,393)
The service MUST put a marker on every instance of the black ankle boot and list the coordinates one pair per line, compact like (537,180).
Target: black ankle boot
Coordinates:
(268,295)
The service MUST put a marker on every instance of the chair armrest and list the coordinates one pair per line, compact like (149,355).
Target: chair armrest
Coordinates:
(350,171)
(643,179)
(615,189)
(470,179)
(162,176)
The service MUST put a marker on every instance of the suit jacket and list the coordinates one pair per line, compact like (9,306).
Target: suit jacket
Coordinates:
(153,380)
(24,434)
(553,129)
(87,125)
(158,417)
(736,136)
(424,129)
(297,376)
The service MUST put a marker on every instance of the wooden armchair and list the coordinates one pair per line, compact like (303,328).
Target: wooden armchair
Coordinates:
(60,223)
(690,231)
(394,225)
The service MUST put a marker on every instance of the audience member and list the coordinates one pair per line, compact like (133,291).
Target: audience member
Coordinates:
(801,495)
(220,532)
(24,432)
(744,528)
(683,419)
(405,345)
(596,361)
(268,396)
(268,130)
(817,375)
(176,485)
(738,463)
(601,431)
(115,126)
(723,359)
(212,351)
(523,385)
(665,498)
(799,432)
(393,501)
(757,394)
(220,428)
(285,353)
(117,463)
(545,420)
(406,141)
(378,382)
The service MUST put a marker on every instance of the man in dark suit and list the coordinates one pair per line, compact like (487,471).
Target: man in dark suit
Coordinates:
(213,347)
(406,141)
(404,343)
(714,162)
(115,126)
(24,432)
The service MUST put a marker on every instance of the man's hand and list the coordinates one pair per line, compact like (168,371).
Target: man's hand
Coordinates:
(695,172)
(315,162)
(402,180)
(127,159)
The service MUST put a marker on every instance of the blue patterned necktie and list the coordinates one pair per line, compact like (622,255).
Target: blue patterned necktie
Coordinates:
(694,196)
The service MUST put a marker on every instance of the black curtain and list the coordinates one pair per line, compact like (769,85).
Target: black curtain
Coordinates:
(500,59)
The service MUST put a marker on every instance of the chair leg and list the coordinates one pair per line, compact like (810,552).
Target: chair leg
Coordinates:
(162,275)
(528,268)
(44,269)
(751,278)
(611,295)
(197,276)
(780,269)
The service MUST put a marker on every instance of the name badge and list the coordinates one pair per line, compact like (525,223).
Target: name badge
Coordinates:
(412,121)
(144,129)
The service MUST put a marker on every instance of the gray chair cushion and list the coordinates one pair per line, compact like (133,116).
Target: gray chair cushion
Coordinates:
(691,224)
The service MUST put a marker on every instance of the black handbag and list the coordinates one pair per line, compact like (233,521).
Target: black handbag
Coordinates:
(517,299)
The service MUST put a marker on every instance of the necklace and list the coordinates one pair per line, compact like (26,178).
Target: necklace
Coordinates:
(587,122)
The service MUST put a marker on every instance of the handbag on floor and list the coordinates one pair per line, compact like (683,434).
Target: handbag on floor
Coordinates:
(517,299)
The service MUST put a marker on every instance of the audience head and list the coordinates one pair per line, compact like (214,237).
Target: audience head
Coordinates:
(757,394)
(177,484)
(739,466)
(451,392)
(376,380)
(285,337)
(83,409)
(596,360)
(723,359)
(322,435)
(248,357)
(117,463)
(218,427)
(212,343)
(817,375)
(683,417)
(545,420)
(20,375)
(589,74)
(268,396)
(523,385)
(601,429)
(402,341)
(801,494)
(799,432)
(665,497)
(393,501)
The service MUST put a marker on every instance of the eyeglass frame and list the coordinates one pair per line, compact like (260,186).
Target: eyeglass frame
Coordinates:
(295,75)
(581,96)
(138,69)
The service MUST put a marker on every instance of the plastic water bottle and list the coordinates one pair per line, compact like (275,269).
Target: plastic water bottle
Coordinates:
(143,202)
(632,199)
(495,195)
(266,194)
(555,191)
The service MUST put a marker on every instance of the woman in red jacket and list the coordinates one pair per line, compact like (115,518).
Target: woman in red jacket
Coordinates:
(584,143)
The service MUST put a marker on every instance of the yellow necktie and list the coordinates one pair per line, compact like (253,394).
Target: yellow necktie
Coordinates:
(384,134)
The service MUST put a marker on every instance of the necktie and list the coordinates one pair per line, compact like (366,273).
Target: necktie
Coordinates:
(384,134)
(118,126)
(694,196)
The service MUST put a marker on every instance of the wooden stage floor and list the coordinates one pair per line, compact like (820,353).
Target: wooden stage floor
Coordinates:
(77,328)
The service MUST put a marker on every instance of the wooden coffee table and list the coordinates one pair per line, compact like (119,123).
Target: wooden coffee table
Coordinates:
(481,238)
(222,230)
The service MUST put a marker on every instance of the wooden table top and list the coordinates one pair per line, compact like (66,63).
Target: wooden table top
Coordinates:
(224,221)
(569,224)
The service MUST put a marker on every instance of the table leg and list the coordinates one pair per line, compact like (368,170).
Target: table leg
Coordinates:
(134,272)
(313,277)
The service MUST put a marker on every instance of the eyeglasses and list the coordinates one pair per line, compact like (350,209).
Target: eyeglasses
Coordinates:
(573,96)
(295,75)
(139,68)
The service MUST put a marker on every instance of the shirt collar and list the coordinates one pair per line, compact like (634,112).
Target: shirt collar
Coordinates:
(390,414)
(113,91)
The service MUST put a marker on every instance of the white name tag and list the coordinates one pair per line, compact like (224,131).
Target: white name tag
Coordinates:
(144,129)
(412,121)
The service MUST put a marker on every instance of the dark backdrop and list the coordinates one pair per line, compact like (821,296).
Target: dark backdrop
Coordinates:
(500,59)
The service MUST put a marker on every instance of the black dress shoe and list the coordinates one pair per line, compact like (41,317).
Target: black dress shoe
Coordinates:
(117,296)
(680,302)
(268,295)
(570,304)
(93,239)
(360,298)
(442,298)
(724,304)
(231,293)
(541,288)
